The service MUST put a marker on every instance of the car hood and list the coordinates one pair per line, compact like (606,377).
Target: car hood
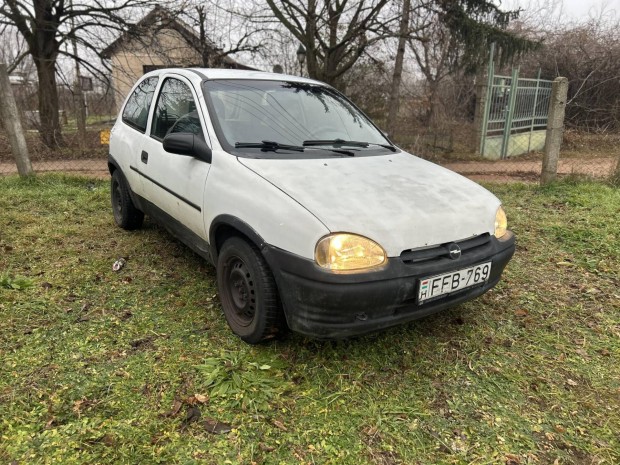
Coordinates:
(400,201)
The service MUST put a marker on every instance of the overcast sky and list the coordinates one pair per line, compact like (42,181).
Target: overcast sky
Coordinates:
(583,8)
(569,10)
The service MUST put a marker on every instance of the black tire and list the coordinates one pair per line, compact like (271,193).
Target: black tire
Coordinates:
(126,215)
(248,292)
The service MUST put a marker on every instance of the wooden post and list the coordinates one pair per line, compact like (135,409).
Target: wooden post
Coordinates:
(555,130)
(13,124)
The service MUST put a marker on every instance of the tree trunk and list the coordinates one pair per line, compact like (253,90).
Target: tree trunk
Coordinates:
(13,125)
(398,69)
(434,104)
(49,128)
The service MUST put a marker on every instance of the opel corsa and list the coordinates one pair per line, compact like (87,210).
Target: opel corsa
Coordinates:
(313,218)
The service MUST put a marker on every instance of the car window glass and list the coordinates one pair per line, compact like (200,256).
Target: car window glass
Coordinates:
(136,110)
(286,112)
(175,110)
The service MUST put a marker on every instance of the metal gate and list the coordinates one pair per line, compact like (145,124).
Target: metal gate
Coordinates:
(515,116)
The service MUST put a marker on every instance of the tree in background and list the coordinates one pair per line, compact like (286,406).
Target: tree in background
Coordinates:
(588,54)
(335,33)
(454,42)
(47,26)
(223,29)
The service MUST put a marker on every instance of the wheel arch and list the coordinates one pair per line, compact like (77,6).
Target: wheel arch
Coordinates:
(226,226)
(112,165)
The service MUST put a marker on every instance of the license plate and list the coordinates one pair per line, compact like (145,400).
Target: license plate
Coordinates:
(447,283)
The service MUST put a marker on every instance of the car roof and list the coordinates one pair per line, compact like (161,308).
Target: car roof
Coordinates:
(217,73)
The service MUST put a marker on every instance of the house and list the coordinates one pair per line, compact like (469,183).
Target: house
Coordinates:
(158,40)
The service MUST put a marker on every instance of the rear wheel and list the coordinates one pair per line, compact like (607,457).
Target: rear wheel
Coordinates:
(126,215)
(248,292)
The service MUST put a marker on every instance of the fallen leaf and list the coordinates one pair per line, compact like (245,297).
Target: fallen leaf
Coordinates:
(200,398)
(216,427)
(521,312)
(604,352)
(280,425)
(265,448)
(512,459)
(582,352)
(570,382)
(174,410)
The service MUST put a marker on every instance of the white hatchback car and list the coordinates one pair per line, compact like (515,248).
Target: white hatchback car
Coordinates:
(314,220)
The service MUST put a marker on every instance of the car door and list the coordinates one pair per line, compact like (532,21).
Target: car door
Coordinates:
(129,133)
(175,183)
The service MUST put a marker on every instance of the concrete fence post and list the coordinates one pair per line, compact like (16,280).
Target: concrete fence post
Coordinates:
(555,130)
(13,124)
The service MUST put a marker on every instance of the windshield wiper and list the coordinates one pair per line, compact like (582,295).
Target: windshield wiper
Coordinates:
(350,143)
(348,153)
(268,145)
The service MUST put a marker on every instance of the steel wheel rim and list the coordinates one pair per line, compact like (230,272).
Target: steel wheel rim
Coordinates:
(116,199)
(241,291)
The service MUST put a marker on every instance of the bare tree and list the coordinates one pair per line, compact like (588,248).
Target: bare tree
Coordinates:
(588,54)
(224,30)
(403,34)
(335,33)
(13,51)
(47,25)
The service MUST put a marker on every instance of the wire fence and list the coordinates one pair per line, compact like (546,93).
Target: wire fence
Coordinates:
(451,144)
(586,156)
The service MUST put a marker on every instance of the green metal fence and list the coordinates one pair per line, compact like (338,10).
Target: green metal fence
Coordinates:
(515,116)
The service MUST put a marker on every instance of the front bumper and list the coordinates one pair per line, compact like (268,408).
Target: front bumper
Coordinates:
(330,305)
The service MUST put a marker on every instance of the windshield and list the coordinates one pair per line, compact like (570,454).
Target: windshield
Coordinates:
(286,113)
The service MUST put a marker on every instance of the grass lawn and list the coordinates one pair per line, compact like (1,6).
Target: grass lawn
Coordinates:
(138,366)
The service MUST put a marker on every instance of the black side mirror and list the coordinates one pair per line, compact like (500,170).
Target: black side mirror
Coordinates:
(186,143)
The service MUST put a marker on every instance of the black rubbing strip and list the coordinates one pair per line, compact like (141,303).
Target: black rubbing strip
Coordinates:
(191,204)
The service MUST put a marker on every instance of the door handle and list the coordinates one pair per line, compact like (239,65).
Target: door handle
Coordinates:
(144,157)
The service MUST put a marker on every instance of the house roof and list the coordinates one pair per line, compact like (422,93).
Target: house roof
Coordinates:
(162,18)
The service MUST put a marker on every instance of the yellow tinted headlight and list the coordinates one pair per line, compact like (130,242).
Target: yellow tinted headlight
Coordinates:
(344,252)
(501,223)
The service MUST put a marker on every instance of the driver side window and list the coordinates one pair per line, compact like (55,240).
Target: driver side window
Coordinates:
(175,110)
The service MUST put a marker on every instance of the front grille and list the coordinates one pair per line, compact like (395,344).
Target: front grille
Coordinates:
(439,252)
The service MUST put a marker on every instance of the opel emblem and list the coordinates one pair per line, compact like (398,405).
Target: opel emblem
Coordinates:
(455,251)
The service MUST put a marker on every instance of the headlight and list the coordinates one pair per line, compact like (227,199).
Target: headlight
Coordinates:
(501,223)
(348,252)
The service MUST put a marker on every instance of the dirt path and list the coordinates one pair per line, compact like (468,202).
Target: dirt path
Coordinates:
(594,167)
(501,171)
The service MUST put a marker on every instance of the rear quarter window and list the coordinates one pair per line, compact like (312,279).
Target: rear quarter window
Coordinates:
(136,110)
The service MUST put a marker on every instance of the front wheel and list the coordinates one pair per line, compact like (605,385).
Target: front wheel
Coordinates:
(248,292)
(126,215)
